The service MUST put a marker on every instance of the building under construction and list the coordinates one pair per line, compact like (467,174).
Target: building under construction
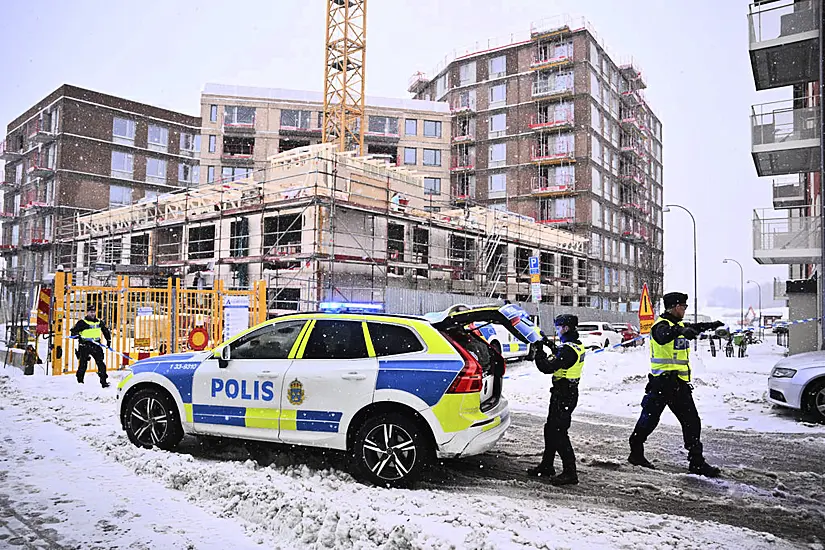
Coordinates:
(323,225)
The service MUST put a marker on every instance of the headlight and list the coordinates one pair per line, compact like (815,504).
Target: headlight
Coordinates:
(779,372)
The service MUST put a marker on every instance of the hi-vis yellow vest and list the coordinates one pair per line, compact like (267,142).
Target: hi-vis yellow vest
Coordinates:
(574,372)
(92,331)
(673,356)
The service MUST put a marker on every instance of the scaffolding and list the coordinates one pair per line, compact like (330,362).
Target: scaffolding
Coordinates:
(326,225)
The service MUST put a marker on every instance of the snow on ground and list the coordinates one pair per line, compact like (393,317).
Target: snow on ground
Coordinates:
(729,392)
(64,453)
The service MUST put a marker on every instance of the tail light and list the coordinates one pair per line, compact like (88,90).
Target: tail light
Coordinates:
(596,333)
(469,380)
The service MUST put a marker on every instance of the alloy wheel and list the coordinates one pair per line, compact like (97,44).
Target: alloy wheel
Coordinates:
(149,421)
(389,451)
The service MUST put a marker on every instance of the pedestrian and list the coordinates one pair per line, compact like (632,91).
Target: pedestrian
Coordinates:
(669,385)
(565,365)
(89,331)
(30,358)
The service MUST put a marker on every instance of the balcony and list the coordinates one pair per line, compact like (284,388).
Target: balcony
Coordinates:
(548,155)
(7,185)
(630,123)
(564,219)
(789,194)
(779,239)
(544,60)
(40,132)
(464,138)
(7,154)
(633,75)
(35,240)
(38,171)
(34,206)
(785,138)
(544,187)
(7,249)
(633,150)
(637,235)
(635,208)
(460,164)
(463,105)
(632,98)
(417,83)
(632,176)
(557,119)
(780,289)
(460,192)
(7,215)
(304,130)
(784,42)
(552,90)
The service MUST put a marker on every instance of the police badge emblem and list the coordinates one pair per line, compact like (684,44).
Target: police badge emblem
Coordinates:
(296,392)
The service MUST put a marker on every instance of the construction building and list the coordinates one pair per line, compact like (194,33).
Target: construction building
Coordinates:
(549,126)
(244,126)
(318,225)
(786,52)
(79,151)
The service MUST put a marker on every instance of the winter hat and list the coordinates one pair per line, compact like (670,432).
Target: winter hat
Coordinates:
(673,299)
(566,320)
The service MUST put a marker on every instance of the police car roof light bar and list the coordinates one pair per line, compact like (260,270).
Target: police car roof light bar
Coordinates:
(351,307)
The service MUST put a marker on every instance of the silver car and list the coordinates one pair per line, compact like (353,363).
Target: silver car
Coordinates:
(798,382)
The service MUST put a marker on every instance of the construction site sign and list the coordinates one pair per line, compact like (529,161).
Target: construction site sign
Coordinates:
(44,305)
(646,315)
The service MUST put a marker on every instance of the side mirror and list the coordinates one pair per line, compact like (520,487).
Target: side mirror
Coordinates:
(223,360)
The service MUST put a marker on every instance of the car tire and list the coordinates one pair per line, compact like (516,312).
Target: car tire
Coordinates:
(151,419)
(409,445)
(814,401)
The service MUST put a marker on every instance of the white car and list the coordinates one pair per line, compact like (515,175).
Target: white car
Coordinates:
(798,382)
(598,334)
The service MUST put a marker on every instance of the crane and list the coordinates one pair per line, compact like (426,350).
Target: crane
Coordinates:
(346,41)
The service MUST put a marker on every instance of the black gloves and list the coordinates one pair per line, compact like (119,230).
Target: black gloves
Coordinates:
(689,333)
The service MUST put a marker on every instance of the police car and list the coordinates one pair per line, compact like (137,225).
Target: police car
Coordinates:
(395,391)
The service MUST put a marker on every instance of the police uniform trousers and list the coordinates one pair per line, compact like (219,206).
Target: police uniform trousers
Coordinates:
(564,396)
(668,390)
(84,352)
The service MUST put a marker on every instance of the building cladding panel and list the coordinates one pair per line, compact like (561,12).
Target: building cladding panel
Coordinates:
(66,158)
(602,94)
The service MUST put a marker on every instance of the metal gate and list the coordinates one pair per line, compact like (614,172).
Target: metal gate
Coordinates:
(144,322)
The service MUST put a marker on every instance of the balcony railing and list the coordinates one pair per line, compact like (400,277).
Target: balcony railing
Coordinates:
(779,239)
(546,88)
(544,60)
(780,290)
(463,105)
(789,193)
(546,154)
(634,176)
(40,132)
(556,118)
(464,138)
(559,185)
(777,23)
(8,154)
(460,164)
(785,138)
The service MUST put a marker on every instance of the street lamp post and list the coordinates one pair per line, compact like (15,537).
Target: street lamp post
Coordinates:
(761,335)
(695,267)
(741,292)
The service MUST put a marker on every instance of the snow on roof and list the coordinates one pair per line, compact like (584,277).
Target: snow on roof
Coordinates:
(317,97)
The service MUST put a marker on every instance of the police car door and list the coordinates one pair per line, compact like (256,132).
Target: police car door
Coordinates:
(241,397)
(331,379)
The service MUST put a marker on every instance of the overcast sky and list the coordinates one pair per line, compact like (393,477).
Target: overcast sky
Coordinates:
(694,57)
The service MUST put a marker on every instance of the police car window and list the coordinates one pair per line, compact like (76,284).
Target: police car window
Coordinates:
(393,339)
(336,340)
(269,342)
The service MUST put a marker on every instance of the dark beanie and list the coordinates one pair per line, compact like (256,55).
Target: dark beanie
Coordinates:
(672,299)
(566,320)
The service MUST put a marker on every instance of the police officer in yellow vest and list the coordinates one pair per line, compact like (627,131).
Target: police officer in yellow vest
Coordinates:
(90,331)
(566,367)
(669,385)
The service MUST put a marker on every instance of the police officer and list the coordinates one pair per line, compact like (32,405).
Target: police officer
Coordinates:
(669,386)
(566,367)
(89,331)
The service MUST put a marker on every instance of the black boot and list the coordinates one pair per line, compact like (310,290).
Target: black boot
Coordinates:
(567,477)
(79,380)
(704,469)
(637,458)
(104,384)
(542,470)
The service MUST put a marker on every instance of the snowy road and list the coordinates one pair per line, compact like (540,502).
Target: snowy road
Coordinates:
(70,479)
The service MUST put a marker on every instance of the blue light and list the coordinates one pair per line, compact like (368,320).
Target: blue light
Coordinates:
(351,307)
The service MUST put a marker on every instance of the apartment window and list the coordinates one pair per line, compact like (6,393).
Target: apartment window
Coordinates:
(235,115)
(498,66)
(123,131)
(595,245)
(498,95)
(291,118)
(239,238)
(155,170)
(213,143)
(432,157)
(596,211)
(139,250)
(210,174)
(382,125)
(432,186)
(150,195)
(597,149)
(498,125)
(202,242)
(112,251)
(596,178)
(213,113)
(190,143)
(123,165)
(238,146)
(188,173)
(410,127)
(498,185)
(119,195)
(158,138)
(229,173)
(410,155)
(432,128)
(498,154)
(467,74)
(440,86)
(18,173)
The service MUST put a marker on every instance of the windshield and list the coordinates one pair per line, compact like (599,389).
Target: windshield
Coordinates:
(588,328)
